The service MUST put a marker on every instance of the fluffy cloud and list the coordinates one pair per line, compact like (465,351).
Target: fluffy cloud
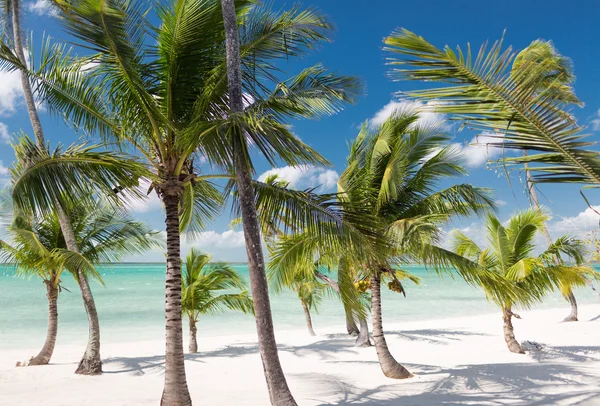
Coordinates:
(478,152)
(42,8)
(578,225)
(596,121)
(3,170)
(4,134)
(11,92)
(305,176)
(151,202)
(426,114)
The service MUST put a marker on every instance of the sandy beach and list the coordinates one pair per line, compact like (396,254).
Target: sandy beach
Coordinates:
(460,361)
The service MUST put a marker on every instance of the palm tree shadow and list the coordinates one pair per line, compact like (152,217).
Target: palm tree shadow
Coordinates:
(433,336)
(531,384)
(140,365)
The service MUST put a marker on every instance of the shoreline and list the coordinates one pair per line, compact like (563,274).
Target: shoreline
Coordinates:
(456,360)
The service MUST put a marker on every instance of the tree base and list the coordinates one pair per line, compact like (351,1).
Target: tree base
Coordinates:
(570,317)
(396,371)
(89,366)
(36,362)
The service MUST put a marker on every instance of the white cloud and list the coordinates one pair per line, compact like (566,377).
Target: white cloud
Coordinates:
(427,115)
(11,91)
(596,121)
(151,202)
(305,176)
(211,239)
(42,8)
(3,170)
(578,225)
(4,134)
(478,152)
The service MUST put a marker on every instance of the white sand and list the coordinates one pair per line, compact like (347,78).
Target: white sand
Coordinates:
(461,361)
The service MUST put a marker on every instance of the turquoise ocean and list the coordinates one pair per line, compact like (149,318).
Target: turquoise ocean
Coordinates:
(131,306)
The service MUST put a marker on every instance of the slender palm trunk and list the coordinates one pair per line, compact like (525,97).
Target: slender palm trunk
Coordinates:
(175,392)
(390,367)
(363,339)
(279,391)
(509,332)
(91,363)
(573,315)
(351,326)
(27,92)
(43,358)
(193,332)
(308,318)
(570,297)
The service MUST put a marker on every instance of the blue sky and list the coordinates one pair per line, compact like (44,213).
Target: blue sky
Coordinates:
(356,49)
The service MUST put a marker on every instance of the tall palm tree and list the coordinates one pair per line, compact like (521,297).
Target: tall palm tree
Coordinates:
(558,73)
(90,363)
(203,291)
(486,92)
(393,174)
(39,249)
(520,277)
(162,90)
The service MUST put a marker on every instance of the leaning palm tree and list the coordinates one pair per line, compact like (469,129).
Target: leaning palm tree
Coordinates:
(310,293)
(519,277)
(393,174)
(207,289)
(486,92)
(38,248)
(558,73)
(90,363)
(163,90)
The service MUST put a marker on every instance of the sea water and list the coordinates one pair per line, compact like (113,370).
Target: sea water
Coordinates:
(131,306)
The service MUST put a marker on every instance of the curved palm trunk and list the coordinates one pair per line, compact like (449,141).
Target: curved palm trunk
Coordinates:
(43,358)
(570,297)
(363,339)
(175,392)
(509,334)
(90,363)
(27,92)
(308,319)
(193,332)
(390,367)
(573,315)
(279,391)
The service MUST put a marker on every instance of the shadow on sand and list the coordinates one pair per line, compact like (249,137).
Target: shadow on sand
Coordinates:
(527,383)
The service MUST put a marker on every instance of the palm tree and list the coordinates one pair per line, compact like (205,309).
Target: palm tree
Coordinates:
(519,277)
(202,291)
(163,91)
(90,363)
(392,175)
(39,249)
(559,73)
(485,91)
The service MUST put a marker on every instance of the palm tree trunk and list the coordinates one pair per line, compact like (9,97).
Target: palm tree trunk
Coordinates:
(573,315)
(43,358)
(176,391)
(27,92)
(193,331)
(509,334)
(390,367)
(308,319)
(363,339)
(531,187)
(351,323)
(91,363)
(279,391)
